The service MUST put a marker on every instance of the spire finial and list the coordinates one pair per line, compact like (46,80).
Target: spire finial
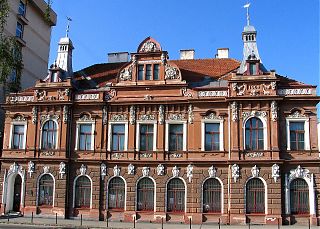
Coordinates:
(248,15)
(68,26)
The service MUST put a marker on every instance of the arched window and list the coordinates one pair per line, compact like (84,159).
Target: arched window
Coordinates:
(212,196)
(175,195)
(299,196)
(255,196)
(145,195)
(116,194)
(254,134)
(45,195)
(49,135)
(82,192)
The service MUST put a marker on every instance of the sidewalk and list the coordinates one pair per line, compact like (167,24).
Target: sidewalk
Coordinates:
(67,223)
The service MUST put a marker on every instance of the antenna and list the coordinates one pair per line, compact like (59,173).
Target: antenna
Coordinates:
(248,15)
(68,26)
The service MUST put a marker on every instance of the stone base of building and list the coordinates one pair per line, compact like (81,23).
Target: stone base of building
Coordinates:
(301,220)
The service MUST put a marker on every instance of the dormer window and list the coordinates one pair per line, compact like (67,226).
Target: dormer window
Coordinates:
(253,68)
(148,71)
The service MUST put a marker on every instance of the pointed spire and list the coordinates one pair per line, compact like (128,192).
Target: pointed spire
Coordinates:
(247,6)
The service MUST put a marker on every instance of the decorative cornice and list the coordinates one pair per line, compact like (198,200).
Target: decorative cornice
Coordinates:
(212,116)
(119,117)
(297,114)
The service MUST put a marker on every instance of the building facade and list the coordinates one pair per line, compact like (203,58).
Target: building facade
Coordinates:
(156,139)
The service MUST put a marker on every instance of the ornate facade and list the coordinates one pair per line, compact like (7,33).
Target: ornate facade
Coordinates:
(154,138)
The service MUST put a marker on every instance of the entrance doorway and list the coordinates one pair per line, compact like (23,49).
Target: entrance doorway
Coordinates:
(17,194)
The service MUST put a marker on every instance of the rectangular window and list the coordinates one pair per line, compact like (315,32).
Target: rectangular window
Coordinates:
(297,136)
(212,136)
(118,134)
(140,72)
(148,72)
(18,137)
(85,137)
(253,69)
(19,30)
(146,137)
(175,137)
(22,8)
(156,72)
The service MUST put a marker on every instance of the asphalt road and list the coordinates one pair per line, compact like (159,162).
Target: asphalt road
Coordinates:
(5,226)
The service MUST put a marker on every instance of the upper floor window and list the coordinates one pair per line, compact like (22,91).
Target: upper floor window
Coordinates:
(22,8)
(19,30)
(49,135)
(146,137)
(148,71)
(212,136)
(297,135)
(18,137)
(118,137)
(175,137)
(254,139)
(253,68)
(85,137)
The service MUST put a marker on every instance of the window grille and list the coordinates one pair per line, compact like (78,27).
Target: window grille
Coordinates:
(255,196)
(145,195)
(45,197)
(83,192)
(299,197)
(212,196)
(116,194)
(175,195)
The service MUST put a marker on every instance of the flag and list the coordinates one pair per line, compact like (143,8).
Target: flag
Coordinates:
(69,19)
(246,5)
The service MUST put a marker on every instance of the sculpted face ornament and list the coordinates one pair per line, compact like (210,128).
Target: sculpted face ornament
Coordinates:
(190,172)
(31,168)
(255,171)
(62,169)
(175,171)
(275,172)
(83,169)
(46,169)
(160,170)
(145,171)
(235,172)
(212,172)
(116,171)
(103,170)
(131,169)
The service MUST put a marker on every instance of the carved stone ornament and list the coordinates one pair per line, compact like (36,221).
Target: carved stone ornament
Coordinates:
(212,116)
(146,155)
(190,172)
(296,91)
(267,87)
(105,115)
(86,118)
(297,114)
(299,172)
(149,46)
(65,114)
(117,155)
(161,114)
(160,170)
(132,118)
(103,171)
(119,117)
(234,111)
(62,94)
(147,97)
(275,169)
(131,169)
(176,117)
(15,168)
(47,117)
(163,59)
(235,172)
(34,114)
(175,155)
(147,117)
(239,89)
(171,73)
(186,92)
(41,95)
(116,171)
(46,169)
(254,154)
(255,171)
(31,168)
(145,171)
(247,114)
(62,169)
(126,73)
(83,170)
(190,113)
(212,172)
(110,94)
(19,118)
(274,111)
(175,171)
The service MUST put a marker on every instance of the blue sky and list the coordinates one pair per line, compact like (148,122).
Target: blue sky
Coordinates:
(288,30)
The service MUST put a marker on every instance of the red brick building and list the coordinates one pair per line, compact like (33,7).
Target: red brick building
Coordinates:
(155,138)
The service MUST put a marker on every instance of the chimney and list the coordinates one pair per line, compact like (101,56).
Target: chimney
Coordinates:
(187,54)
(118,57)
(222,53)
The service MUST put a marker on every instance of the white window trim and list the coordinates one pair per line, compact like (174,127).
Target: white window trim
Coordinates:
(74,190)
(154,193)
(126,131)
(125,192)
(139,123)
(203,133)
(38,186)
(265,194)
(78,133)
(265,131)
(222,196)
(185,193)
(57,133)
(184,146)
(13,123)
(306,131)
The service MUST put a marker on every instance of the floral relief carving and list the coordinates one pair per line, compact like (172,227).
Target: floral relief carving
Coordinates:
(62,169)
(274,111)
(161,114)
(190,172)
(275,172)
(62,94)
(65,114)
(160,170)
(171,73)
(261,114)
(147,117)
(186,92)
(190,113)
(47,117)
(176,117)
(132,117)
(119,117)
(299,172)
(19,118)
(235,172)
(126,74)
(212,116)
(239,89)
(149,46)
(34,114)
(297,114)
(86,118)
(234,111)
(31,168)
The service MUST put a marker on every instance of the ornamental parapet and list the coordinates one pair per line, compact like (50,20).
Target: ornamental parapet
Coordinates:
(296,91)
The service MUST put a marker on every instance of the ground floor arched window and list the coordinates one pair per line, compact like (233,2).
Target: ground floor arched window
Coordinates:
(45,195)
(145,195)
(212,196)
(299,196)
(116,194)
(83,192)
(255,196)
(175,195)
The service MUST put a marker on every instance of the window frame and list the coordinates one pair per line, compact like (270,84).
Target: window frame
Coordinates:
(152,67)
(154,194)
(139,123)
(203,133)
(57,135)
(265,132)
(53,190)
(184,128)
(185,195)
(20,31)
(307,192)
(306,131)
(74,191)
(125,194)
(221,193)
(24,10)
(265,196)
(78,134)
(126,131)
(18,123)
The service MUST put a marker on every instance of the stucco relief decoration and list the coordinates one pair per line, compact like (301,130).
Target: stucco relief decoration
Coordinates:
(132,118)
(147,97)
(19,118)
(47,117)
(275,172)
(131,169)
(83,170)
(160,170)
(147,117)
(235,172)
(126,73)
(31,168)
(297,91)
(149,46)
(65,114)
(116,171)
(161,114)
(266,88)
(234,111)
(171,73)
(212,172)
(186,92)
(146,155)
(175,155)
(145,171)
(176,117)
(163,59)
(86,118)
(212,116)
(105,115)
(119,117)
(274,111)
(41,95)
(34,114)
(19,99)
(110,94)
(299,172)
(240,90)
(62,169)
(175,171)
(213,93)
(190,172)
(297,114)
(134,60)
(103,171)
(62,94)
(15,168)
(255,171)
(190,113)
(117,155)
(46,169)
(247,114)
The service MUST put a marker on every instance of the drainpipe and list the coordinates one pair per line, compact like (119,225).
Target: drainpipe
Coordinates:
(229,157)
